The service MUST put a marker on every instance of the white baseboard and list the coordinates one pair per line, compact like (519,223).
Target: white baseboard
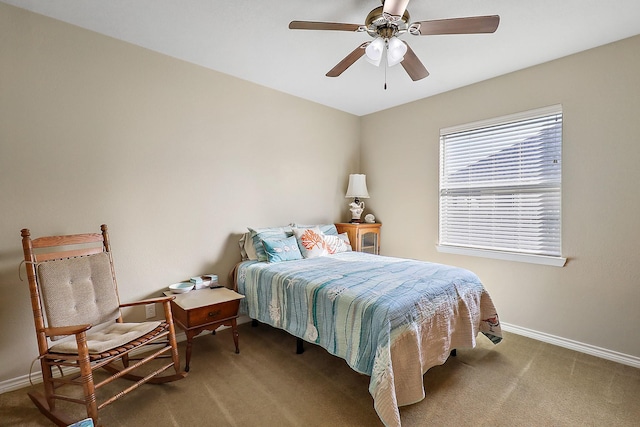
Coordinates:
(626,359)
(592,350)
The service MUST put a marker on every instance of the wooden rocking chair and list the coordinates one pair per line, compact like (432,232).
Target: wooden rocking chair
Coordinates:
(76,310)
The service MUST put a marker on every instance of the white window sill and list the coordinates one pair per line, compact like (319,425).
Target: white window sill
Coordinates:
(507,256)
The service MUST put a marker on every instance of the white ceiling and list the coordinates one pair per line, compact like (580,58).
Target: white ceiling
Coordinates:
(250,39)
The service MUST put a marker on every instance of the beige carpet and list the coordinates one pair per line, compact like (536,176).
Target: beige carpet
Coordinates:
(520,382)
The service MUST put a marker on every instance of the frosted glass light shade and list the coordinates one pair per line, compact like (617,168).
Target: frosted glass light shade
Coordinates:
(374,51)
(357,186)
(395,51)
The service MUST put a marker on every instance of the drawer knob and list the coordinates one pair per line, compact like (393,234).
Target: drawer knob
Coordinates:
(214,313)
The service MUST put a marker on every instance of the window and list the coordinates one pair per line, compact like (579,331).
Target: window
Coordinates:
(500,188)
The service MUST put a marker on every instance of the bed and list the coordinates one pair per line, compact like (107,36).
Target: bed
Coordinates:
(389,318)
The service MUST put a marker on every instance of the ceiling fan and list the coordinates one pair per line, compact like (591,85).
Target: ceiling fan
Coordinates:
(385,23)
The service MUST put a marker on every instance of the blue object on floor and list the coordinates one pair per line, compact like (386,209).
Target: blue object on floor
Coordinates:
(87,422)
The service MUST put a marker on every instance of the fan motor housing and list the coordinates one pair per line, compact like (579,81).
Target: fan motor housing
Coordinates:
(379,25)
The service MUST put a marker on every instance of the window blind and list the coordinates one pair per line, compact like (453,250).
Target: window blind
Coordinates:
(500,184)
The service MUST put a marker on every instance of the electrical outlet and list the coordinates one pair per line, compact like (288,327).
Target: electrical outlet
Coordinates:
(150,310)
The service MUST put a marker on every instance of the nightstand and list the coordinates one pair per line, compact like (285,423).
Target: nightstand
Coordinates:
(364,237)
(206,309)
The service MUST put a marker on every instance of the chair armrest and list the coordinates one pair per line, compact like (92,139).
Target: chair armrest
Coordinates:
(66,330)
(148,301)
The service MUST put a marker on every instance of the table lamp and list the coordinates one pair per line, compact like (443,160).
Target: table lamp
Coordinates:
(358,190)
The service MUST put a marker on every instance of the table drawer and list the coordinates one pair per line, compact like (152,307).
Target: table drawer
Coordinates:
(213,313)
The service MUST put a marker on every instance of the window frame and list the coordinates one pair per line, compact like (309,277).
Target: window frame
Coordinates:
(551,260)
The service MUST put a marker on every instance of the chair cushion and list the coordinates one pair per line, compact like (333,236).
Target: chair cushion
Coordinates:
(105,337)
(78,290)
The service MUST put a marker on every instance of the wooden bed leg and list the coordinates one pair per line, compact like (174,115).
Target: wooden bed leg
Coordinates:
(299,346)
(453,353)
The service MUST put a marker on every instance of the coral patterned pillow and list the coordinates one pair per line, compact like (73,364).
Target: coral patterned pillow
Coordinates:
(311,242)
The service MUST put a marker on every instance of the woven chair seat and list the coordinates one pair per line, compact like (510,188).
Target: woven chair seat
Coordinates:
(117,350)
(132,344)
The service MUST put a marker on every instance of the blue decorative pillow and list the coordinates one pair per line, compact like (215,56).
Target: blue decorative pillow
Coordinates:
(282,249)
(259,234)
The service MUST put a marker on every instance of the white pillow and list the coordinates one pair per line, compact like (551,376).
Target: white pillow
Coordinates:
(243,251)
(311,242)
(250,248)
(337,244)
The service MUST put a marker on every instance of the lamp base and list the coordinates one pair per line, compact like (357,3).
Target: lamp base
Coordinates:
(356,207)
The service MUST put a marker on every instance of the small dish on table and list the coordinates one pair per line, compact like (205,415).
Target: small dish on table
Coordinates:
(181,288)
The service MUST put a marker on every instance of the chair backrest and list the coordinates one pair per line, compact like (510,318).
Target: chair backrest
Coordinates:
(71,280)
(79,290)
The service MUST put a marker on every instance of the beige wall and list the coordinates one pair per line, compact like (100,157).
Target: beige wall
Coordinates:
(176,159)
(595,298)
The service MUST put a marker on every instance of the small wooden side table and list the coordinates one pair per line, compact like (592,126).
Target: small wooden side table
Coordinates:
(206,309)
(364,236)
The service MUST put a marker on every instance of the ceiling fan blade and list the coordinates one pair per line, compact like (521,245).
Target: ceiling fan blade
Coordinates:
(470,25)
(335,26)
(348,60)
(413,66)
(394,7)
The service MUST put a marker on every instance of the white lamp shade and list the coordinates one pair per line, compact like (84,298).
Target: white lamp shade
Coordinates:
(357,186)
(395,51)
(374,51)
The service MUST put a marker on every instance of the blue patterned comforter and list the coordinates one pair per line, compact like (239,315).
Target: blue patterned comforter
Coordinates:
(389,318)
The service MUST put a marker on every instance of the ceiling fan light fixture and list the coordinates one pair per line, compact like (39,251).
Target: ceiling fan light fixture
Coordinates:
(374,51)
(395,51)
(385,24)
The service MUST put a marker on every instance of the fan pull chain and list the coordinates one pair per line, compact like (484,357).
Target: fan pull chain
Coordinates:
(385,75)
